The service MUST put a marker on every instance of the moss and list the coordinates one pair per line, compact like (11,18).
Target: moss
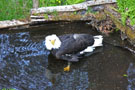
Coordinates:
(100,16)
(36,14)
(70,16)
(124,28)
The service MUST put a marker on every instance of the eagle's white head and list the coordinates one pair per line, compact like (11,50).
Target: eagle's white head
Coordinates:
(52,42)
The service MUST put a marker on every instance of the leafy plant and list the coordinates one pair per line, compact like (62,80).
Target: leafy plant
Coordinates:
(127,10)
(89,10)
(55,13)
(125,75)
(75,13)
(46,16)
(116,29)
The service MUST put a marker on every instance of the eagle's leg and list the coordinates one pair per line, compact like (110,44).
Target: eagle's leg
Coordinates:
(67,68)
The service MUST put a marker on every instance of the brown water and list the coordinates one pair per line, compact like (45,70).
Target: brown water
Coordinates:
(25,64)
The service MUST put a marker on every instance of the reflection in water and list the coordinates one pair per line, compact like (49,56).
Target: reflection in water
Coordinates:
(75,80)
(131,76)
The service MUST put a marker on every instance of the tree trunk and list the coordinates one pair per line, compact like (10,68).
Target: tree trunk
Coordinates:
(35,3)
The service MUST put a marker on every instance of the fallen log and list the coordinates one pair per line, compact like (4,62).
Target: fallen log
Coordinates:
(65,8)
(12,23)
(69,8)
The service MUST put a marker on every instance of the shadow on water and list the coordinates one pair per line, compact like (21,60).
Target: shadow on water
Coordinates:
(25,65)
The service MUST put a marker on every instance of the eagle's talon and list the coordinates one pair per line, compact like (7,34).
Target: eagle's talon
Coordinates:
(67,68)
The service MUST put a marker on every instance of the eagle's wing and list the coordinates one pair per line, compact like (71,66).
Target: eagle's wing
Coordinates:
(74,43)
(65,37)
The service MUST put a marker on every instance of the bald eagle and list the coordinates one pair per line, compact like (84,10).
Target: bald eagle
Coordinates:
(71,47)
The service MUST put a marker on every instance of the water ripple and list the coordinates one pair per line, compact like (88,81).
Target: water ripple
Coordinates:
(21,61)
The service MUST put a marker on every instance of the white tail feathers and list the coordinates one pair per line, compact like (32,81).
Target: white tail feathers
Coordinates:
(98,41)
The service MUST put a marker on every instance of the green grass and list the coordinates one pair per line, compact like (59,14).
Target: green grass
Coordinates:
(14,9)
(127,10)
(44,3)
(20,9)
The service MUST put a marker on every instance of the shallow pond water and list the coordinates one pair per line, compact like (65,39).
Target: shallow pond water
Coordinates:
(25,64)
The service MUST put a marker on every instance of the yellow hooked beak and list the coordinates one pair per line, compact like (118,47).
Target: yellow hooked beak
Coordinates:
(53,42)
